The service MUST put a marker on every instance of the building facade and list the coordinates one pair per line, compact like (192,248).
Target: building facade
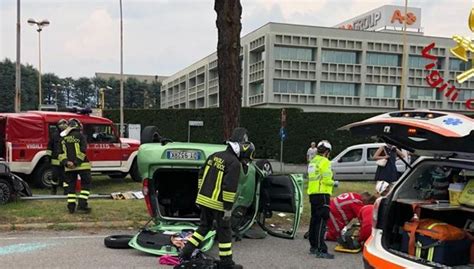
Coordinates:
(327,70)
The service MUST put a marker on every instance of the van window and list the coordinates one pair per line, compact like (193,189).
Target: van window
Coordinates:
(354,155)
(371,153)
(100,133)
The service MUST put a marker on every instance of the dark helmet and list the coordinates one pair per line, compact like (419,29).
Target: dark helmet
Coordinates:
(247,150)
(239,135)
(74,124)
(62,124)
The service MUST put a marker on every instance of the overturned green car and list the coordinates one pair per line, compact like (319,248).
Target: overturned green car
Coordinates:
(170,173)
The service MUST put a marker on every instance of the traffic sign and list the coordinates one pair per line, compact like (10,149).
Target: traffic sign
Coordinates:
(282,134)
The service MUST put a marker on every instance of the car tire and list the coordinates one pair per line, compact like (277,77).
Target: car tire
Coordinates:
(6,191)
(150,134)
(118,241)
(265,165)
(134,172)
(42,176)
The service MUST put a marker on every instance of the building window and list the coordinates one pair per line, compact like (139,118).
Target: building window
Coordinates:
(255,56)
(383,59)
(290,53)
(466,95)
(340,57)
(422,93)
(256,88)
(382,91)
(458,65)
(344,89)
(293,86)
(420,62)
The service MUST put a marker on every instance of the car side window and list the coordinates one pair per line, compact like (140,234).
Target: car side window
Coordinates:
(370,154)
(354,155)
(100,133)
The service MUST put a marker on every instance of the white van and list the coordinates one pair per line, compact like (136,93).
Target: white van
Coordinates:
(357,163)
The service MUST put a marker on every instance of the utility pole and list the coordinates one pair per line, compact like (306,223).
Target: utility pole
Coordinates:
(404,60)
(121,73)
(18,61)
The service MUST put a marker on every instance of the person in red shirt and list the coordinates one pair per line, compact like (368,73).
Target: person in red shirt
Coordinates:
(365,220)
(343,209)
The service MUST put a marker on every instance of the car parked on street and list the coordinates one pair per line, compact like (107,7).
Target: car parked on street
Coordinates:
(170,172)
(24,139)
(445,142)
(357,162)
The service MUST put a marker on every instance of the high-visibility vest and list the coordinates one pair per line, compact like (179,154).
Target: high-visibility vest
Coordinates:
(320,176)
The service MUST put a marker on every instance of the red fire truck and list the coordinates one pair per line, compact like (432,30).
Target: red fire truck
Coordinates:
(24,138)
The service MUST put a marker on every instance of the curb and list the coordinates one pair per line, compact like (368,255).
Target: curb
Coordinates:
(71,225)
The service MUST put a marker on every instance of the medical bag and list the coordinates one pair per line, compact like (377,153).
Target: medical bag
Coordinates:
(467,195)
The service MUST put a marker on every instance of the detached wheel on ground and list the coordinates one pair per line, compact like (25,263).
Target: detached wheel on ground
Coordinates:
(6,191)
(150,134)
(43,175)
(117,241)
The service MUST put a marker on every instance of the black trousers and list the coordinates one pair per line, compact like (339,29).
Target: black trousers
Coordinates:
(59,177)
(319,217)
(83,196)
(224,234)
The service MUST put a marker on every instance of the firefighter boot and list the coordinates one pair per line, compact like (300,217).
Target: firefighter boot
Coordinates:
(228,263)
(71,207)
(82,207)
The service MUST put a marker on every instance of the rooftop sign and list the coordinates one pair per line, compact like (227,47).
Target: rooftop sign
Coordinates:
(385,17)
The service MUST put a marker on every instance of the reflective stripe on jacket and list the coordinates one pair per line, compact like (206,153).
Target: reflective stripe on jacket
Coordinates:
(320,176)
(73,149)
(219,181)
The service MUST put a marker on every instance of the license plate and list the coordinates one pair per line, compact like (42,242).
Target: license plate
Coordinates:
(183,155)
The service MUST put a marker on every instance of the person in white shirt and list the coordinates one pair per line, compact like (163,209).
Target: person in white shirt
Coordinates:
(311,152)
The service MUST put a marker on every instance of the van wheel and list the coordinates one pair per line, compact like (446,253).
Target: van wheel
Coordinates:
(43,175)
(5,191)
(150,134)
(134,172)
(117,241)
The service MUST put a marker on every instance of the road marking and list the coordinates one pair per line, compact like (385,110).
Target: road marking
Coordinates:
(55,237)
(21,248)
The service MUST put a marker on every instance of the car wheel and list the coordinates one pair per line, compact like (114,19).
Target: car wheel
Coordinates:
(42,177)
(150,134)
(134,172)
(5,191)
(117,241)
(265,165)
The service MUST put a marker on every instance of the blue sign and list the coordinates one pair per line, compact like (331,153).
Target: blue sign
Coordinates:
(282,134)
(452,121)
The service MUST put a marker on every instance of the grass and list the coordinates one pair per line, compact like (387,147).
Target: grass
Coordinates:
(54,211)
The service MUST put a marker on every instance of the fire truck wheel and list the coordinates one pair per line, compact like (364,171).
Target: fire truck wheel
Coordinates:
(5,191)
(150,134)
(134,173)
(117,241)
(42,175)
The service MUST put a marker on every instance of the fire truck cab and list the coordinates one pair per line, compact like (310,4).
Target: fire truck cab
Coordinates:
(24,139)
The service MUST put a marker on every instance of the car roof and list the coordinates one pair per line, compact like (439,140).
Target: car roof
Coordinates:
(53,117)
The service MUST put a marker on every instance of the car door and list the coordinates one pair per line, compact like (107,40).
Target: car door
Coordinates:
(281,204)
(103,146)
(349,165)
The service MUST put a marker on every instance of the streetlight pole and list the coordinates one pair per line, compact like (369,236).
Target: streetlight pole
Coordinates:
(18,61)
(40,25)
(404,60)
(121,73)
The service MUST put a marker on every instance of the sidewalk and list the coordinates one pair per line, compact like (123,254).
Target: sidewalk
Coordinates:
(71,225)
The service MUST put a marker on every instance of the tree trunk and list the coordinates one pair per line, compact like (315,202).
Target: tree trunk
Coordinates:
(228,62)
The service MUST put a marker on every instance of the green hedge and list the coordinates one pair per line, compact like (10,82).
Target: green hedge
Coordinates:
(263,126)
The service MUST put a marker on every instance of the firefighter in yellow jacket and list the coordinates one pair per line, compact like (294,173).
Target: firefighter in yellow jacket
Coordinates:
(320,187)
(73,157)
(54,145)
(216,196)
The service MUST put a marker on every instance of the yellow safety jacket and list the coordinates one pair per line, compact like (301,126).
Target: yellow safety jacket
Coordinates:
(73,149)
(320,176)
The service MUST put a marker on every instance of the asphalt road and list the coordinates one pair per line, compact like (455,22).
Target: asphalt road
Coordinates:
(82,249)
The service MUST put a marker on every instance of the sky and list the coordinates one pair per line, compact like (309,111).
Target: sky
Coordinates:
(162,37)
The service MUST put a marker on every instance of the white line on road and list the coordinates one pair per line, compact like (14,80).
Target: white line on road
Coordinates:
(55,237)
